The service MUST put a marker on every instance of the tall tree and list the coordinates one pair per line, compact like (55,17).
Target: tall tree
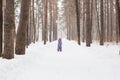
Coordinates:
(84,25)
(118,3)
(107,20)
(51,18)
(91,19)
(21,32)
(78,20)
(117,20)
(88,23)
(45,26)
(1,22)
(9,23)
(32,22)
(68,18)
(55,20)
(102,25)
(34,26)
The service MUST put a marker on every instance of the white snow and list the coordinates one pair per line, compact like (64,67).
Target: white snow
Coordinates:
(73,63)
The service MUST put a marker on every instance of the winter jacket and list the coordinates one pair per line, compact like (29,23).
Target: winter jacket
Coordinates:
(59,44)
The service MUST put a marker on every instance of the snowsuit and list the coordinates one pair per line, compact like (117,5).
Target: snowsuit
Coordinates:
(59,45)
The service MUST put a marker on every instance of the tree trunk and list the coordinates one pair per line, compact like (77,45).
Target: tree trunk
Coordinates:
(83,32)
(43,13)
(34,26)
(1,27)
(102,25)
(51,18)
(108,38)
(91,19)
(88,26)
(9,23)
(21,32)
(78,21)
(117,20)
(110,20)
(45,26)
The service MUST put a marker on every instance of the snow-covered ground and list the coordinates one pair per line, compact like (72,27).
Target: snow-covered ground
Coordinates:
(73,63)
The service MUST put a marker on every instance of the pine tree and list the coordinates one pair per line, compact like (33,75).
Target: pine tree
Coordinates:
(78,20)
(46,18)
(1,22)
(88,26)
(102,25)
(23,23)
(9,24)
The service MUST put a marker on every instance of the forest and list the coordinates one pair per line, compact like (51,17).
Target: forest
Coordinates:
(59,39)
(23,22)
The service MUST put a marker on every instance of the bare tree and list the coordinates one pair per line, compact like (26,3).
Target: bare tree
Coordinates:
(78,20)
(1,27)
(21,32)
(88,26)
(51,19)
(9,24)
(46,18)
(102,25)
(117,20)
(55,20)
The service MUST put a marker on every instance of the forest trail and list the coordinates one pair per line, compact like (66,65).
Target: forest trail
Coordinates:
(73,63)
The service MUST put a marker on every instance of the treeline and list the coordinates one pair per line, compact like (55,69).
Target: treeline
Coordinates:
(94,20)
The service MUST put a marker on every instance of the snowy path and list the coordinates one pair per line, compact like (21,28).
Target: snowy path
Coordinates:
(74,63)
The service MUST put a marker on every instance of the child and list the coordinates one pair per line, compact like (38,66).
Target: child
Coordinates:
(59,45)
